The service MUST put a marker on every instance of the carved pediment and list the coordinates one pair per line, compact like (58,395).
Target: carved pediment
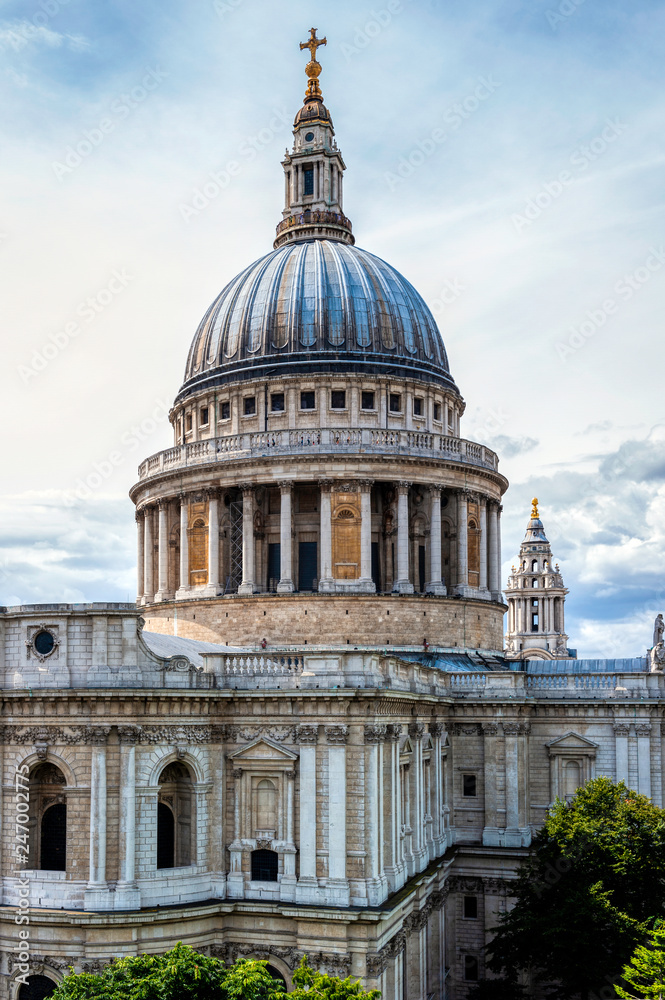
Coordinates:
(571,743)
(262,750)
(427,743)
(406,747)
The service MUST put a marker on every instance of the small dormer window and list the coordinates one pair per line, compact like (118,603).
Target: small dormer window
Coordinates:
(308,180)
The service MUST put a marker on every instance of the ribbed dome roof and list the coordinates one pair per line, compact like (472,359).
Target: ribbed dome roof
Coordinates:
(314,307)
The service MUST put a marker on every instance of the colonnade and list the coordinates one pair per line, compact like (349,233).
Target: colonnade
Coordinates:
(549,609)
(153,531)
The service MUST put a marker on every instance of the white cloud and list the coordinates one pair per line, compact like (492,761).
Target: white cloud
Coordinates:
(19,34)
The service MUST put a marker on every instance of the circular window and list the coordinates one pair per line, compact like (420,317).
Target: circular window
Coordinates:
(309,137)
(43,643)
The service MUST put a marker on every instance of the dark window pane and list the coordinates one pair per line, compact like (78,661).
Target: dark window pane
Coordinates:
(307,400)
(277,402)
(471,907)
(44,643)
(36,988)
(188,422)
(418,407)
(469,785)
(250,405)
(395,402)
(264,866)
(308,177)
(367,401)
(225,411)
(338,399)
(54,838)
(470,968)
(437,411)
(165,837)
(204,415)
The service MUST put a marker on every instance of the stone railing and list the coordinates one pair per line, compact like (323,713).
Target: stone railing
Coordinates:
(321,440)
(308,218)
(252,665)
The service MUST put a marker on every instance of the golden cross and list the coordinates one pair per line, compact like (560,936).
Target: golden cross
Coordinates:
(313,43)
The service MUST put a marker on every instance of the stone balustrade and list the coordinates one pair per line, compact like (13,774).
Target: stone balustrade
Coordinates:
(322,440)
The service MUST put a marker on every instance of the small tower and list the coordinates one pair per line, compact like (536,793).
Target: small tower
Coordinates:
(313,169)
(536,596)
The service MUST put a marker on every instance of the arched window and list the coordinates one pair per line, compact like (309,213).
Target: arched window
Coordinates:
(36,988)
(473,548)
(272,971)
(264,866)
(47,823)
(534,582)
(266,794)
(571,778)
(175,817)
(534,565)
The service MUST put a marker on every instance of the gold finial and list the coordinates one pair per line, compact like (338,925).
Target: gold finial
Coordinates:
(313,68)
(534,507)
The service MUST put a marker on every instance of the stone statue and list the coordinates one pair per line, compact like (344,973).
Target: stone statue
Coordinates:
(658,657)
(561,646)
(658,629)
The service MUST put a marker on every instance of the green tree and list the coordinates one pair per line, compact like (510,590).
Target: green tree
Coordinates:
(584,897)
(311,985)
(180,974)
(644,975)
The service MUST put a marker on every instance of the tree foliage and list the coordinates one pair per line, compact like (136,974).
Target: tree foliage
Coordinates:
(585,896)
(184,974)
(644,975)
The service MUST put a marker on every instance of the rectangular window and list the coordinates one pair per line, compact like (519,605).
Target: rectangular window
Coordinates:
(204,416)
(534,623)
(308,179)
(367,401)
(249,405)
(417,407)
(338,399)
(277,402)
(469,786)
(308,400)
(437,411)
(395,402)
(188,422)
(225,410)
(470,907)
(471,968)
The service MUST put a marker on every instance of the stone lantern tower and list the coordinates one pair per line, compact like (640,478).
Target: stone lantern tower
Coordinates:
(536,597)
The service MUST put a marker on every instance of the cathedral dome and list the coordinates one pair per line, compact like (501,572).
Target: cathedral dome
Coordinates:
(316,306)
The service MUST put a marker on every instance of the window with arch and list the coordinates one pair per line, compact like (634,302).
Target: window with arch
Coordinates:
(534,583)
(36,988)
(264,865)
(47,835)
(265,807)
(473,549)
(175,817)
(572,779)
(276,974)
(198,552)
(534,565)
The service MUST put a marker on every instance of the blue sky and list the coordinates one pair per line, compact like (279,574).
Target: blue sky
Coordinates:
(543,203)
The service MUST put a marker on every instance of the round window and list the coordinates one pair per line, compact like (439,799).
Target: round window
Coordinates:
(309,137)
(43,643)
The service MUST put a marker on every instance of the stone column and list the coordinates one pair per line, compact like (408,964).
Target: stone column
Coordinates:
(402,585)
(377,889)
(337,888)
(435,585)
(462,588)
(127,895)
(326,582)
(392,864)
(235,882)
(416,732)
(643,733)
(183,589)
(247,585)
(212,587)
(517,833)
(494,559)
(307,888)
(492,831)
(97,896)
(148,570)
(484,589)
(287,885)
(621,734)
(285,585)
(163,552)
(366,583)
(140,556)
(499,592)
(436,731)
